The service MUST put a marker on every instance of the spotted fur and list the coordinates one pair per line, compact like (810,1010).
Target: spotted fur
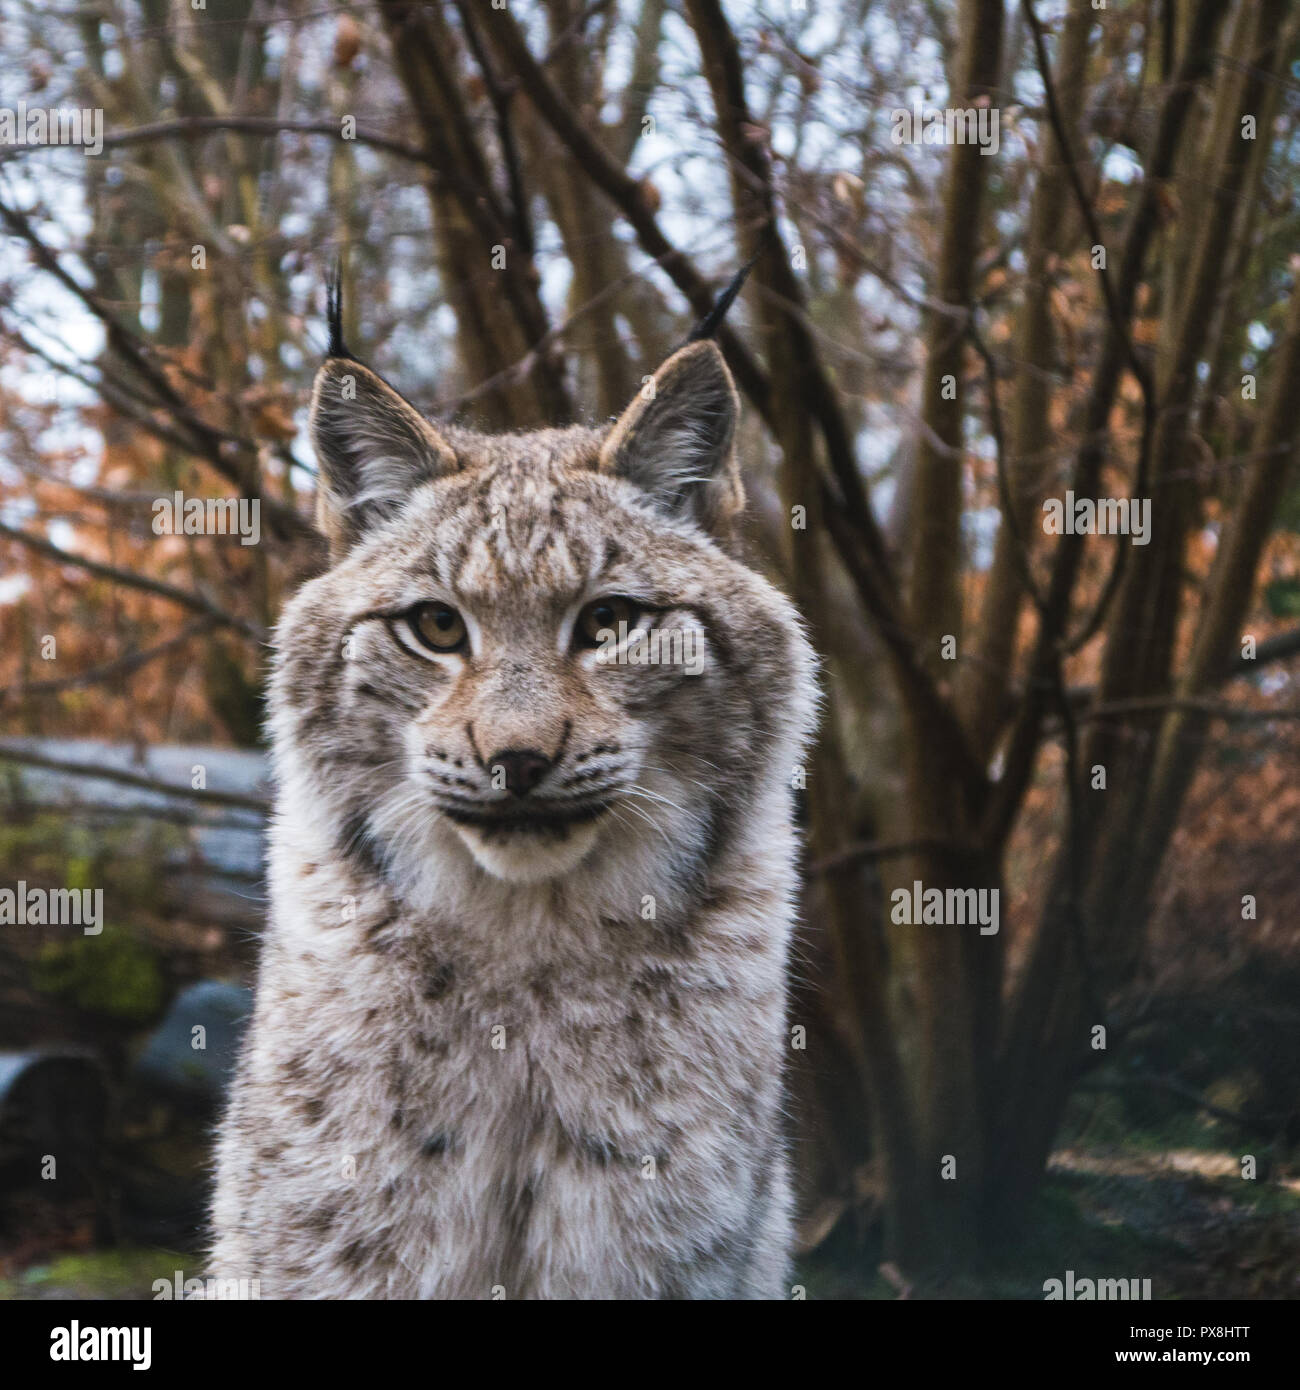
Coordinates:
(498,1059)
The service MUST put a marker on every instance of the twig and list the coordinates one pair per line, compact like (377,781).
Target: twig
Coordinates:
(193,127)
(1018,546)
(865,850)
(209,441)
(628,195)
(1213,709)
(499,96)
(10,753)
(123,666)
(1141,372)
(186,598)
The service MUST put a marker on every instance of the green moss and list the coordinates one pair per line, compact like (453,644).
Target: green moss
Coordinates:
(34,849)
(128,1273)
(112,974)
(127,861)
(1263,1198)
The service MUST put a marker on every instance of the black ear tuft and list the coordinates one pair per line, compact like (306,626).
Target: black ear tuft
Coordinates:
(712,321)
(334,310)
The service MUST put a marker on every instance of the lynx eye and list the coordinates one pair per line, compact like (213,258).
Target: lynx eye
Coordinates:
(605,615)
(437,626)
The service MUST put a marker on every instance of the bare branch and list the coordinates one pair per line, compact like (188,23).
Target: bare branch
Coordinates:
(1010,513)
(186,598)
(123,666)
(866,851)
(628,195)
(11,752)
(209,442)
(195,127)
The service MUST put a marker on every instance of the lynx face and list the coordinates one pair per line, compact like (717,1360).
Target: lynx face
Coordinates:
(532,646)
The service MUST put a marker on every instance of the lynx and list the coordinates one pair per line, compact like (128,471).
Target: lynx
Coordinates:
(520,1019)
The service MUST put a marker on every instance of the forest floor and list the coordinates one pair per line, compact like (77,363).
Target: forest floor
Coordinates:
(1182,1217)
(1171,1206)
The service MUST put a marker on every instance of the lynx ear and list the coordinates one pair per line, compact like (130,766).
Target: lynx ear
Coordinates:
(373,448)
(675,440)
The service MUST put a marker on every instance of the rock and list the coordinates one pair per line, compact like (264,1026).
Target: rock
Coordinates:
(191,1055)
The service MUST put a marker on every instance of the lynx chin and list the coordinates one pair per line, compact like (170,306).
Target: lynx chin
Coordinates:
(520,1023)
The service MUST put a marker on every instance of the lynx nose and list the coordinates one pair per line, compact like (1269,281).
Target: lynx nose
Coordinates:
(523,768)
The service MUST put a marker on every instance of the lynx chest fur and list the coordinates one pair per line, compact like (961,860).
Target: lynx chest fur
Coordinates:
(520,1016)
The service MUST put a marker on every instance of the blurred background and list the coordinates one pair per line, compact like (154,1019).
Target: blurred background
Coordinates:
(531,205)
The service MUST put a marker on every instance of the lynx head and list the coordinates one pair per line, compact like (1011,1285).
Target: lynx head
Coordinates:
(533,652)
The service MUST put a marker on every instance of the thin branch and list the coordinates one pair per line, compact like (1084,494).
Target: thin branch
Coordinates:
(194,127)
(574,30)
(210,442)
(864,851)
(518,371)
(754,199)
(1019,547)
(1272,649)
(10,752)
(627,194)
(499,96)
(186,598)
(1175,1087)
(1114,312)
(420,37)
(1023,744)
(1276,648)
(123,666)
(1190,704)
